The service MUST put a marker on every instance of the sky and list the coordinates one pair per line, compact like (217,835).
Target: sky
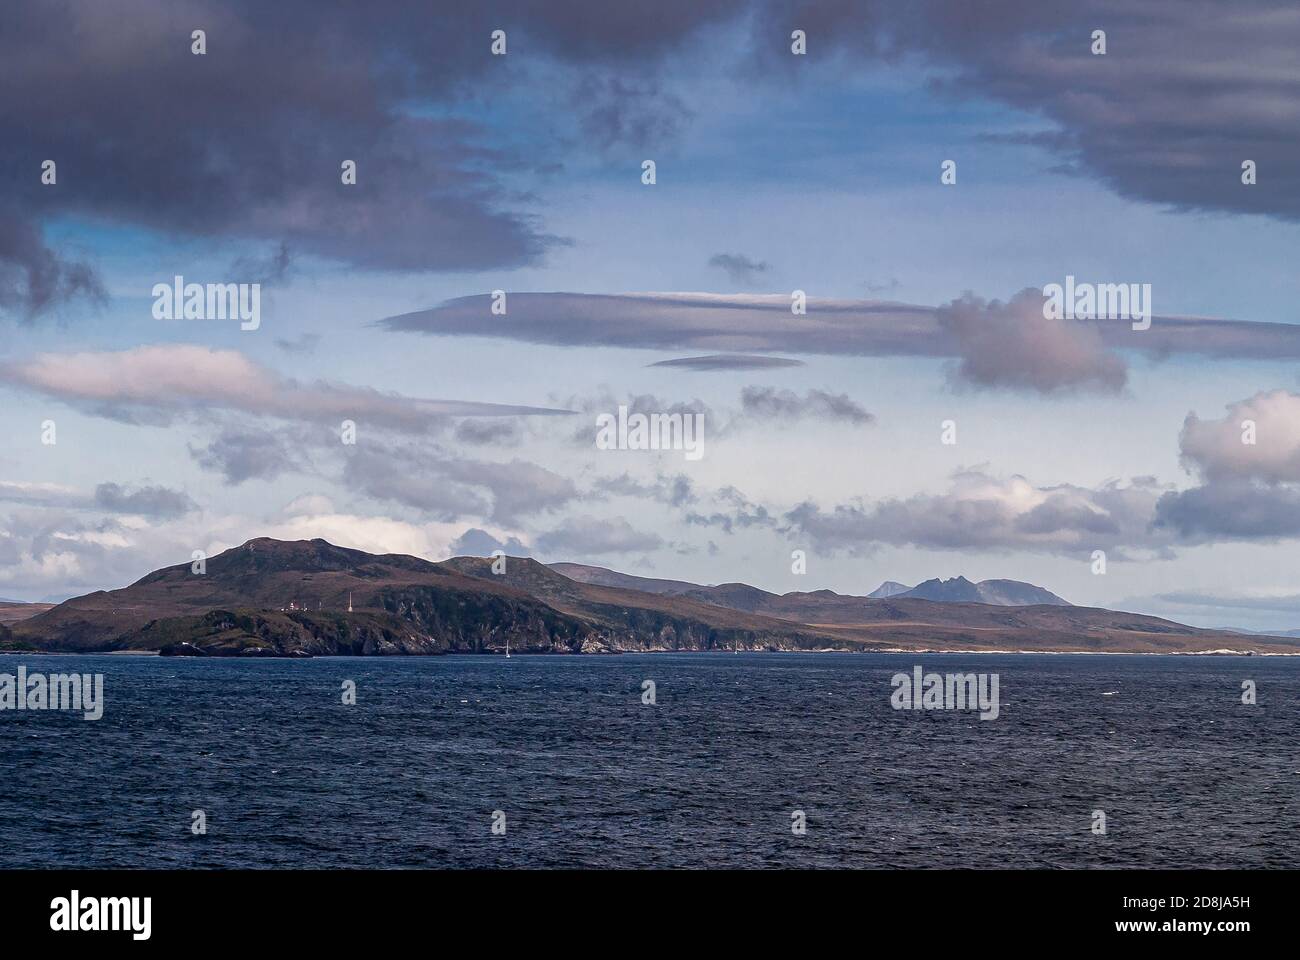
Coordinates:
(129,440)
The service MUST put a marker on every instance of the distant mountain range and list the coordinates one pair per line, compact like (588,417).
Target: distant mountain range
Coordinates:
(1002,593)
(304,598)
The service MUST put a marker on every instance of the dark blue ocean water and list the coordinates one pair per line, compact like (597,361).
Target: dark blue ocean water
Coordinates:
(587,775)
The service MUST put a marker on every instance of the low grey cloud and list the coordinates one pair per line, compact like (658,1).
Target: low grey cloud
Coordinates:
(605,401)
(728,361)
(769,403)
(586,536)
(1231,510)
(733,511)
(245,454)
(49,554)
(43,494)
(1277,614)
(738,267)
(476,542)
(984,512)
(486,431)
(152,501)
(676,490)
(159,502)
(449,487)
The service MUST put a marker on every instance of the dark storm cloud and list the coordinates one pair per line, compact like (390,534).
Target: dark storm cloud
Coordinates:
(1181,97)
(247,140)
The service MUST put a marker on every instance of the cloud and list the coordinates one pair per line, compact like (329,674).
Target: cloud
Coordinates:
(1288,603)
(52,554)
(769,403)
(761,322)
(240,455)
(1231,510)
(304,344)
(309,504)
(1166,116)
(269,271)
(604,401)
(728,361)
(984,512)
(628,110)
(35,279)
(48,552)
(1217,449)
(1247,491)
(675,491)
(149,501)
(42,494)
(450,487)
(160,381)
(433,191)
(475,542)
(1252,610)
(588,536)
(1014,345)
(486,431)
(146,502)
(736,512)
(739,268)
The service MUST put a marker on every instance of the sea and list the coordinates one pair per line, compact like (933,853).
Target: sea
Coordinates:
(751,760)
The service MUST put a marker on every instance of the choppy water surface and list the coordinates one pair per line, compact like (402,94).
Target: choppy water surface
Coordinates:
(587,775)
